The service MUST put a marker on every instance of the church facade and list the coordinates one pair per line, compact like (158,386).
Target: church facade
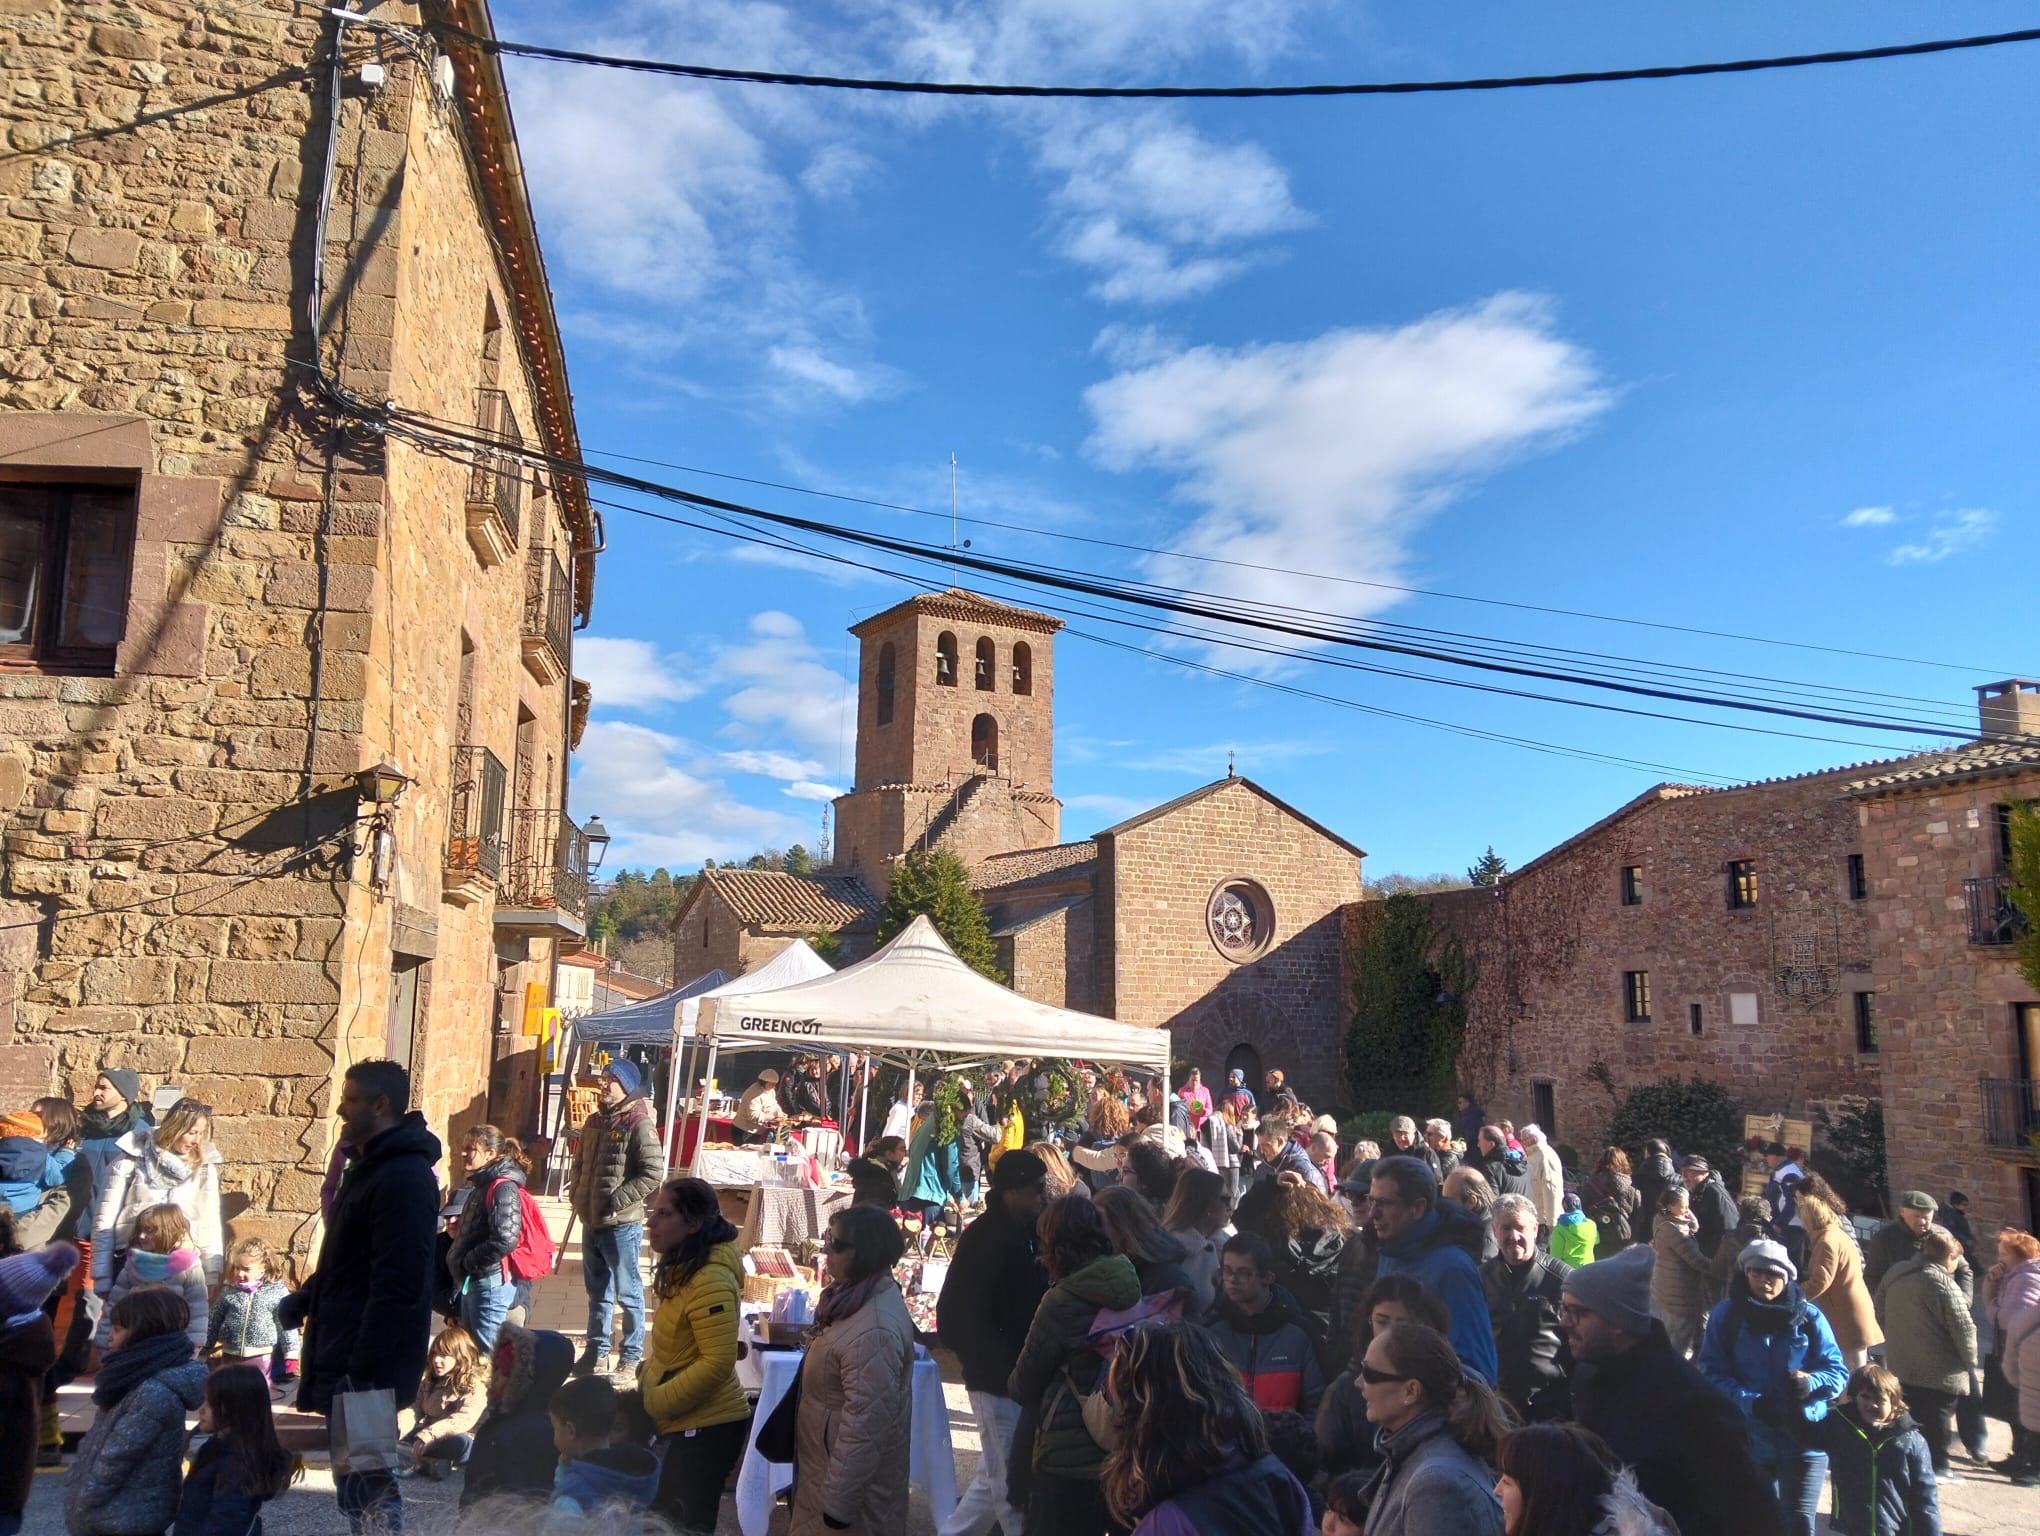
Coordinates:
(1215,915)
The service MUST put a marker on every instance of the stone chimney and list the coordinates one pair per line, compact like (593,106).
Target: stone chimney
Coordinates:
(2009,708)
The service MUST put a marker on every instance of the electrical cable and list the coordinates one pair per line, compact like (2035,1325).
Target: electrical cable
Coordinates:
(499,45)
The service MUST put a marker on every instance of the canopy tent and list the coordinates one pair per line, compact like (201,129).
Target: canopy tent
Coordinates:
(794,964)
(914,1003)
(650,1022)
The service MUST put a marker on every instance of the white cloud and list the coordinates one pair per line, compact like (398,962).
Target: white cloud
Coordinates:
(787,689)
(631,674)
(1080,40)
(1327,455)
(806,366)
(836,171)
(657,811)
(1870,517)
(809,790)
(1951,534)
(771,765)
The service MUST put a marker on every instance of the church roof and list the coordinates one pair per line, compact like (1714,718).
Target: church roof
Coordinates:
(1231,781)
(1053,909)
(965,607)
(1004,869)
(773,898)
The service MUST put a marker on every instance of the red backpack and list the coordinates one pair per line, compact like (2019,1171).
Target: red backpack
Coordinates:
(535,1251)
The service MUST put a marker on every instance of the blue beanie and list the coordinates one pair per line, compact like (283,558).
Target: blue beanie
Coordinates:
(627,1076)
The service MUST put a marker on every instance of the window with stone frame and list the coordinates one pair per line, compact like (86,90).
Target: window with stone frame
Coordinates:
(1859,884)
(985,676)
(945,659)
(1023,668)
(1742,884)
(66,554)
(1632,885)
(1866,1022)
(1636,996)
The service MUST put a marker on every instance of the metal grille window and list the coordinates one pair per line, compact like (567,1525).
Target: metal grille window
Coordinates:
(1866,1021)
(1636,996)
(65,553)
(1742,884)
(1632,885)
(1859,884)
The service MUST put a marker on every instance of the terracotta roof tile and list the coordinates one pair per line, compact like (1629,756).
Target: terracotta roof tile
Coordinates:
(1971,759)
(1003,869)
(772,898)
(966,607)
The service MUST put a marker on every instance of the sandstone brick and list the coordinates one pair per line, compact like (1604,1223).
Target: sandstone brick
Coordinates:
(247,1139)
(270,981)
(116,981)
(152,1056)
(263,938)
(277,1058)
(232,1096)
(112,249)
(238,315)
(93,1021)
(124,43)
(153,820)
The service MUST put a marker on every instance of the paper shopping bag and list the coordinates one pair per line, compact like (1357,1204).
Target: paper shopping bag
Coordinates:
(364,1426)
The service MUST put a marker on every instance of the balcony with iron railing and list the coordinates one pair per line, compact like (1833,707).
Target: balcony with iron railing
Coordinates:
(474,825)
(543,889)
(1993,916)
(495,497)
(548,617)
(2011,1115)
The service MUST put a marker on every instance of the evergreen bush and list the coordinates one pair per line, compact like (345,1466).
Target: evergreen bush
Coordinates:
(1695,1115)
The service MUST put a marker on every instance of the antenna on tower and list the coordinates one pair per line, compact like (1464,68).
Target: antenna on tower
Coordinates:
(953,578)
(823,861)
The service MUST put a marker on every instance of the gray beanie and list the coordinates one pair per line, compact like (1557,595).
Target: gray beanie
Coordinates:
(1617,1288)
(1765,1254)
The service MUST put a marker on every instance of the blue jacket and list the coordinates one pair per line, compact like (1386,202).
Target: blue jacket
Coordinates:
(1882,1480)
(212,1503)
(1754,1370)
(932,1174)
(1294,1159)
(1443,1251)
(26,1170)
(615,1474)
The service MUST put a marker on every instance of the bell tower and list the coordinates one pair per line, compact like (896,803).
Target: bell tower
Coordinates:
(955,733)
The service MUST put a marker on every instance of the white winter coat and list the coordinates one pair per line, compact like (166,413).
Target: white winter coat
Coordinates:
(141,1175)
(1547,1182)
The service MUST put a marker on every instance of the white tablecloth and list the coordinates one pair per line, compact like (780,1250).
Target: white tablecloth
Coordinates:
(732,1168)
(931,1461)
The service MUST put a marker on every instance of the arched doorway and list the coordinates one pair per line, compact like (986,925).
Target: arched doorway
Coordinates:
(984,742)
(1246,1061)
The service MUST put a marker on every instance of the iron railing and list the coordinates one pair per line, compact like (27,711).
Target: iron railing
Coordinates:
(549,605)
(548,865)
(474,829)
(2011,1114)
(498,482)
(1993,919)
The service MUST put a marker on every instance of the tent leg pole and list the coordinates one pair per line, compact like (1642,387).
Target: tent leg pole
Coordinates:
(672,1100)
(701,1135)
(863,1111)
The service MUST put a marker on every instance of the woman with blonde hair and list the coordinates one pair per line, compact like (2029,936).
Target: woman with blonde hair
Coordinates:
(1832,1274)
(1191,1454)
(1062,1178)
(174,1163)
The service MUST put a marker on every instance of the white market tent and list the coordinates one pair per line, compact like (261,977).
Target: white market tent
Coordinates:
(915,1004)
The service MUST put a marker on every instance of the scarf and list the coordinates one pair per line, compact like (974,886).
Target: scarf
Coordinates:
(172,1170)
(125,1369)
(98,1125)
(1768,1317)
(846,1298)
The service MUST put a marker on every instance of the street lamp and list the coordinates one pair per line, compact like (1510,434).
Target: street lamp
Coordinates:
(596,836)
(382,785)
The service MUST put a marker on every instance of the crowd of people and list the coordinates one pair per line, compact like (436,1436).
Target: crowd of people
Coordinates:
(1173,1313)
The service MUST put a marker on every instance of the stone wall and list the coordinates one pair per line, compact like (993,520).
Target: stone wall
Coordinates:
(293,607)
(1049,956)
(1946,1007)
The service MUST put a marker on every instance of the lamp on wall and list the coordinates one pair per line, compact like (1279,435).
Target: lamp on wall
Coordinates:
(596,836)
(382,785)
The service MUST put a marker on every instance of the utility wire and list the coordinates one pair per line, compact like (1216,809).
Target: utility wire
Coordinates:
(499,45)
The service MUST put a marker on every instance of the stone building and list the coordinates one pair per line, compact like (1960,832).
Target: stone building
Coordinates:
(222,599)
(1215,915)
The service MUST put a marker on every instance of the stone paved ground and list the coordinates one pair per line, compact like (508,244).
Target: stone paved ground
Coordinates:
(1982,1504)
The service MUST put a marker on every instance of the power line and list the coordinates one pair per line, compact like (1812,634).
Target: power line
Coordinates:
(1349,581)
(498,45)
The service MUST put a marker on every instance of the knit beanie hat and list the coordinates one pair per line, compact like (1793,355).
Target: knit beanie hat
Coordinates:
(27,1279)
(1617,1288)
(21,1122)
(126,1080)
(1766,1254)
(627,1076)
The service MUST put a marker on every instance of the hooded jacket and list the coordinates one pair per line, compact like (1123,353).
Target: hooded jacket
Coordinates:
(143,1175)
(125,1481)
(1261,1496)
(1573,1239)
(2015,1310)
(242,1321)
(1531,1360)
(689,1376)
(1882,1479)
(1654,1175)
(984,1316)
(1507,1171)
(491,1221)
(1443,1251)
(26,1170)
(513,1450)
(368,1305)
(1058,1342)
(1626,1512)
(1678,1276)
(625,1475)
(873,1182)
(1275,1351)
(1429,1482)
(617,1165)
(1714,1209)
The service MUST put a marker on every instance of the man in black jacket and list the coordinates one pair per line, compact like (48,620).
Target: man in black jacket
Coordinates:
(1523,1297)
(995,1283)
(368,1305)
(1713,1206)
(1687,1442)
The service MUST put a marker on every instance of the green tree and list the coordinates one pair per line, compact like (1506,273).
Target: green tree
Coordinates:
(799,861)
(1696,1115)
(1851,1154)
(1396,883)
(936,884)
(1410,992)
(2025,888)
(1488,869)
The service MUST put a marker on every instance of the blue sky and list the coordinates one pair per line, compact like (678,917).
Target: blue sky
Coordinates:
(1747,354)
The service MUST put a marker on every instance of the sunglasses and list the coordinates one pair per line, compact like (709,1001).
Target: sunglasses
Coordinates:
(838,1245)
(1375,1378)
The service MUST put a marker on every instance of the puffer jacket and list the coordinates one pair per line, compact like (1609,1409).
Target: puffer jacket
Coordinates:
(856,1421)
(181,1271)
(1930,1336)
(613,1476)
(1754,1370)
(688,1379)
(1443,1250)
(2015,1310)
(617,1165)
(243,1321)
(130,1465)
(212,1503)
(1275,1351)
(143,1175)
(442,1409)
(1429,1483)
(491,1221)
(1507,1172)
(1058,1344)
(1832,1277)
(1882,1480)
(513,1450)
(1678,1275)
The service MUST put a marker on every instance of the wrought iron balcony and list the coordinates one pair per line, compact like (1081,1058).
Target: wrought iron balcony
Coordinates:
(548,617)
(495,498)
(2011,1114)
(543,889)
(1993,919)
(474,824)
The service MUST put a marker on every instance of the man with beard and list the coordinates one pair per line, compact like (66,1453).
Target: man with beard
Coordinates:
(114,1109)
(617,1166)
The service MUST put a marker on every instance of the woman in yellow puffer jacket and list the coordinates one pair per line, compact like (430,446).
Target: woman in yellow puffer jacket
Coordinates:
(688,1380)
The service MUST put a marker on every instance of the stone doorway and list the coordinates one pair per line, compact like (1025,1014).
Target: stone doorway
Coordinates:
(1246,1061)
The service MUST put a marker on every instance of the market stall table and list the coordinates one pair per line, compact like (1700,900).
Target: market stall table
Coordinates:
(783,1216)
(931,1461)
